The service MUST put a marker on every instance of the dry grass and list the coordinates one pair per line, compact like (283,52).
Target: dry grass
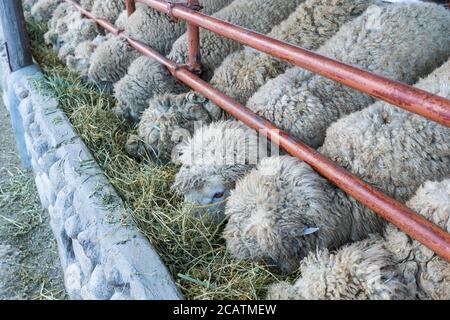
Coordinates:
(192,249)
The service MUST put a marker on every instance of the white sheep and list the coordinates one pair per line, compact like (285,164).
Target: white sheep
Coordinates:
(63,15)
(393,267)
(153,28)
(240,74)
(27,5)
(81,59)
(79,30)
(399,41)
(108,10)
(364,270)
(257,15)
(42,10)
(86,29)
(390,148)
(318,91)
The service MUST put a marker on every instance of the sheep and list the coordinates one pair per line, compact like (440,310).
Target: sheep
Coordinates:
(318,91)
(42,10)
(63,16)
(209,173)
(86,29)
(282,210)
(390,148)
(27,5)
(394,266)
(393,149)
(68,28)
(112,59)
(80,30)
(81,58)
(388,40)
(430,273)
(364,270)
(241,74)
(258,15)
(108,10)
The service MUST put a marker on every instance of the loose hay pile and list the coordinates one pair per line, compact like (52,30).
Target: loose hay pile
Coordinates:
(193,250)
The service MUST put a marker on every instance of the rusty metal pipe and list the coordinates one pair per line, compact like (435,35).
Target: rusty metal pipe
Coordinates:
(404,218)
(428,105)
(193,35)
(131,6)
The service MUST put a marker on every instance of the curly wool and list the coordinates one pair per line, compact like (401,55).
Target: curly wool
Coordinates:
(82,56)
(108,10)
(158,142)
(244,71)
(80,60)
(258,15)
(155,29)
(27,4)
(79,31)
(399,266)
(364,270)
(63,16)
(239,151)
(391,148)
(310,116)
(274,205)
(42,10)
(396,141)
(68,28)
(432,273)
(399,41)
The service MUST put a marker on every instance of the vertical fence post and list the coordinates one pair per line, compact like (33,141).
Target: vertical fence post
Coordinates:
(19,56)
(131,6)
(193,34)
(15,34)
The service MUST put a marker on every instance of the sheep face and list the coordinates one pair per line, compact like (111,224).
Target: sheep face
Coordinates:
(205,188)
(212,161)
(168,122)
(208,197)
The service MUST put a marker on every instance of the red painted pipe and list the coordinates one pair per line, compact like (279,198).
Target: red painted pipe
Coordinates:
(407,97)
(131,6)
(404,218)
(193,35)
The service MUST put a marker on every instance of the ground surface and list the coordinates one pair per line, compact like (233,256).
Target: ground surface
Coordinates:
(29,263)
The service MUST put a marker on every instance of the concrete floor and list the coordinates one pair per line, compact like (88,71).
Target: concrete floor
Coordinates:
(29,263)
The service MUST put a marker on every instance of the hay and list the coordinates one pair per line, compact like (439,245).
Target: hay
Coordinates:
(192,249)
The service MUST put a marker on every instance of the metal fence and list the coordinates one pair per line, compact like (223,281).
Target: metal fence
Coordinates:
(415,100)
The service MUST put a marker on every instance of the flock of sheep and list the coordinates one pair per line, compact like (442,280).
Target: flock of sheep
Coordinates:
(277,208)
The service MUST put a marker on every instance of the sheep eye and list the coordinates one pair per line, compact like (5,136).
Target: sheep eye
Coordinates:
(218,195)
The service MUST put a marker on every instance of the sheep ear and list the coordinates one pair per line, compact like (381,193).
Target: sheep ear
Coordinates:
(309,230)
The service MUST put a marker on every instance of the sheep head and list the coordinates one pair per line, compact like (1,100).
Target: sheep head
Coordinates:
(212,161)
(169,121)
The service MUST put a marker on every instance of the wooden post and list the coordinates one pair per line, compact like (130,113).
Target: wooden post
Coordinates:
(15,34)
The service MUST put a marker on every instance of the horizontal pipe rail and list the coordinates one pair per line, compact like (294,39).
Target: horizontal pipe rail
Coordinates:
(404,218)
(428,105)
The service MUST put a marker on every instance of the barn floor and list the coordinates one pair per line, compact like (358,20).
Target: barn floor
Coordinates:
(29,263)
